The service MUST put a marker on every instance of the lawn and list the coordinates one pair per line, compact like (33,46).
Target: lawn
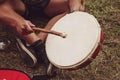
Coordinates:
(106,66)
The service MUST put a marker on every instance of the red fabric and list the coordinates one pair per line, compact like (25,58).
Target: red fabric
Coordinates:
(12,75)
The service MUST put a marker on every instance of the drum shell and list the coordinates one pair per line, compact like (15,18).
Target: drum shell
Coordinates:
(91,55)
(89,60)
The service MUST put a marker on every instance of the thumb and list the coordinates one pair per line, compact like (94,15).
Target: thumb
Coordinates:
(28,28)
(82,6)
(30,23)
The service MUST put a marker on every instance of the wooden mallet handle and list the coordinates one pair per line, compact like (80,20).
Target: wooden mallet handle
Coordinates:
(50,31)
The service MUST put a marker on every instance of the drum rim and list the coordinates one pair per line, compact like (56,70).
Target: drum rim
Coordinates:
(82,61)
(86,58)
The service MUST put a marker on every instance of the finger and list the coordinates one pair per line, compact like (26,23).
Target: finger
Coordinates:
(82,8)
(76,8)
(25,32)
(82,2)
(30,23)
(19,30)
(28,26)
(29,29)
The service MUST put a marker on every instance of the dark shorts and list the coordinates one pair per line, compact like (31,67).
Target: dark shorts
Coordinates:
(2,1)
(35,7)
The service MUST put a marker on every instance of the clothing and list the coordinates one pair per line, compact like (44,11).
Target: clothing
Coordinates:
(35,6)
(39,48)
(1,1)
(27,54)
(32,53)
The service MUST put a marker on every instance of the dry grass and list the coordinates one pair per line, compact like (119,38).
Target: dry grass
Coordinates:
(106,66)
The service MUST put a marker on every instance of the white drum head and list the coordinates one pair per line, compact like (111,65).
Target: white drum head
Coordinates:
(83,36)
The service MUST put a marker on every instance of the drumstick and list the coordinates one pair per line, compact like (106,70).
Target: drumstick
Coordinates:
(50,31)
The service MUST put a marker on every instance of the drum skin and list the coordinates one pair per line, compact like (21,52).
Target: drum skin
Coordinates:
(82,44)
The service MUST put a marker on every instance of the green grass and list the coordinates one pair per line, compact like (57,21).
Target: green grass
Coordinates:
(106,66)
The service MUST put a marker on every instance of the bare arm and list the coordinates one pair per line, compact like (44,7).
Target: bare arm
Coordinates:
(9,17)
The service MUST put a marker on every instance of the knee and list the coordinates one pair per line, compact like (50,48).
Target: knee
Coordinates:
(56,7)
(18,6)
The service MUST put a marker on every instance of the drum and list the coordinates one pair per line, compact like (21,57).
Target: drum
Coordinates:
(81,44)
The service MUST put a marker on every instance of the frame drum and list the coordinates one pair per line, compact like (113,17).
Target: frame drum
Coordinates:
(81,43)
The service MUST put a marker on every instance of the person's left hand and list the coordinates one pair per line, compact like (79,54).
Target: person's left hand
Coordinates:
(76,5)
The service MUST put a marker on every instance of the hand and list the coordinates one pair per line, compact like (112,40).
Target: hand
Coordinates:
(76,5)
(9,17)
(24,27)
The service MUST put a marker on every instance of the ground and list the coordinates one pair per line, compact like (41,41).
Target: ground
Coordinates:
(106,66)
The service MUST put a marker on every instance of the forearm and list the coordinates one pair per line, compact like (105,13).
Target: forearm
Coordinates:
(7,20)
(9,17)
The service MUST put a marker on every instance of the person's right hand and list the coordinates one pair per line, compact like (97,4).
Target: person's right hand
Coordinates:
(9,17)
(24,27)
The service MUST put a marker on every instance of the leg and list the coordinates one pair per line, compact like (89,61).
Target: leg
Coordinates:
(17,5)
(54,8)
